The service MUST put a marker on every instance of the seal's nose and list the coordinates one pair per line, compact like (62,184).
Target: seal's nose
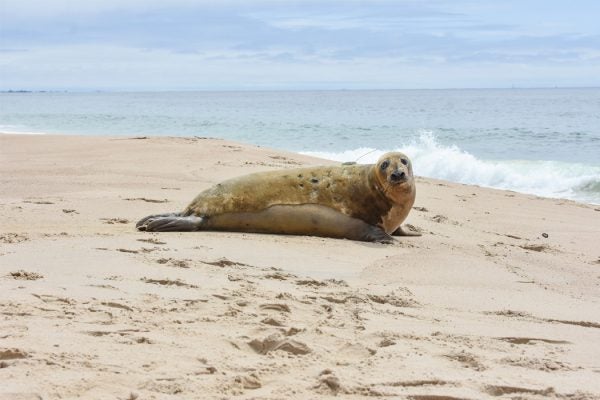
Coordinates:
(397,176)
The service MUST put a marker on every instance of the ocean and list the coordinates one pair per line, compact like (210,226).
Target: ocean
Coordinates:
(539,141)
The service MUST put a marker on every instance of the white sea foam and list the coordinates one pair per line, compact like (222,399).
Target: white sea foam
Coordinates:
(544,178)
(17,130)
(4,132)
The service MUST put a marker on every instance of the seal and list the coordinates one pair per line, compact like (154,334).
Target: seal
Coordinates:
(357,202)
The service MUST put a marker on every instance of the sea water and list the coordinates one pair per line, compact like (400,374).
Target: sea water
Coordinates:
(539,141)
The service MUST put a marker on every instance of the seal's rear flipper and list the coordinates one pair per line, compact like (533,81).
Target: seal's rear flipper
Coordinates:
(141,225)
(408,231)
(173,222)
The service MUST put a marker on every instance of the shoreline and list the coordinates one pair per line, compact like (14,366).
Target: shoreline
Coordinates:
(25,133)
(499,296)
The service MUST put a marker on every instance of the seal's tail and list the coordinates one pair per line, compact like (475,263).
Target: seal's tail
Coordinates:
(171,222)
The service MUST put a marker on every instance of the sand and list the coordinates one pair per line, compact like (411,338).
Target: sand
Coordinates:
(500,297)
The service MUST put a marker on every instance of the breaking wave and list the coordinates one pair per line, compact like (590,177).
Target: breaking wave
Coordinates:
(558,179)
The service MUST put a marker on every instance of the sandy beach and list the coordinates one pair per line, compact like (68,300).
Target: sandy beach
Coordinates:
(499,299)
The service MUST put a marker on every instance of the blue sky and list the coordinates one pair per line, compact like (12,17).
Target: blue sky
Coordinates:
(325,44)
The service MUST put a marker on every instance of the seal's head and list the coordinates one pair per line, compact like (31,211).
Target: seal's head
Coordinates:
(394,174)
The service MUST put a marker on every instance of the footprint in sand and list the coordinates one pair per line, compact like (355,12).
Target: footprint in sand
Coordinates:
(277,343)
(224,262)
(442,219)
(393,300)
(128,251)
(169,282)
(585,324)
(311,282)
(112,221)
(386,342)
(545,365)
(25,275)
(43,202)
(47,298)
(328,383)
(12,354)
(513,390)
(250,381)
(529,340)
(466,360)
(151,240)
(536,247)
(174,263)
(13,238)
(146,200)
(276,307)
(116,305)
(272,322)
(279,276)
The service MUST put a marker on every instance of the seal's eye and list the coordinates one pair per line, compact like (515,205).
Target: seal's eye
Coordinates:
(404,161)
(384,165)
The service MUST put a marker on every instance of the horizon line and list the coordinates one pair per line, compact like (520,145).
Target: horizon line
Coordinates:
(92,90)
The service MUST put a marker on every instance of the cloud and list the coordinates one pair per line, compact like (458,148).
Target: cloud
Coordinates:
(117,68)
(260,43)
(34,9)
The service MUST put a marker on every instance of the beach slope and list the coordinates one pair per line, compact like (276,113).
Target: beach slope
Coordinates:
(500,297)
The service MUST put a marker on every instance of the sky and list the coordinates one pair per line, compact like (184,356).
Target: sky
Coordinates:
(299,45)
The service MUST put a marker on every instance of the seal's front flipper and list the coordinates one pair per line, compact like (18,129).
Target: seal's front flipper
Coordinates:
(406,232)
(170,223)
(376,234)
